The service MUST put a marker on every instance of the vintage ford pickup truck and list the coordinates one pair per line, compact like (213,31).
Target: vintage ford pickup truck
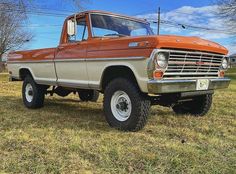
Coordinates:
(120,56)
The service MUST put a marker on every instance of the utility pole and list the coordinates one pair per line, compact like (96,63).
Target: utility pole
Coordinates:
(159,21)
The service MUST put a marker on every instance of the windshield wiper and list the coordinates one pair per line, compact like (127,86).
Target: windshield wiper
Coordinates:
(115,34)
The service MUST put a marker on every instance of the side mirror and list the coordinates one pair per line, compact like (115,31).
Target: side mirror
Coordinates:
(71,27)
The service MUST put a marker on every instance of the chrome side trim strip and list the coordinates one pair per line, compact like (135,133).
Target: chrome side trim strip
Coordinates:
(30,61)
(78,60)
(110,59)
(70,60)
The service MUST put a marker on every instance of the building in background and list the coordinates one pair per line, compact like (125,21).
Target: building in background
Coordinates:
(233,60)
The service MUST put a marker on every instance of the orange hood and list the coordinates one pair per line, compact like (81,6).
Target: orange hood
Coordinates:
(163,42)
(189,43)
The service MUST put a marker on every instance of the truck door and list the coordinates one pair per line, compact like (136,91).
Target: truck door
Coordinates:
(70,58)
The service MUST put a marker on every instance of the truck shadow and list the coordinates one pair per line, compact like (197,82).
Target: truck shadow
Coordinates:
(60,114)
(56,113)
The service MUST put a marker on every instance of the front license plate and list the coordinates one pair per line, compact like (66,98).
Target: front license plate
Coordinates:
(202,84)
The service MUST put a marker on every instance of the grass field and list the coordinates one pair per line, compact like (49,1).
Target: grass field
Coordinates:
(68,136)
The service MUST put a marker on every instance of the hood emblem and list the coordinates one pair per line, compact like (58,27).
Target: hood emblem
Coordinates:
(133,44)
(139,44)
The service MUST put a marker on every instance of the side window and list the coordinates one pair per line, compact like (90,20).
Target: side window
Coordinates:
(82,31)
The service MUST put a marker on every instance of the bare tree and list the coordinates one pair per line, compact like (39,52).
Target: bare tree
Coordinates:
(12,33)
(227,10)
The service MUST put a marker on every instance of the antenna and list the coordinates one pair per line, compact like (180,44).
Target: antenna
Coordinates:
(159,21)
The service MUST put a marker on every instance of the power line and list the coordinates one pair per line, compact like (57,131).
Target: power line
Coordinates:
(173,23)
(187,26)
(200,27)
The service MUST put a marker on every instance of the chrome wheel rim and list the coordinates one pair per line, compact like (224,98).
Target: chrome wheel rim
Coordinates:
(29,93)
(121,106)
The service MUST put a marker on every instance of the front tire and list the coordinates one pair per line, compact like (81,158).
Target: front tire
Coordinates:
(199,106)
(32,93)
(125,107)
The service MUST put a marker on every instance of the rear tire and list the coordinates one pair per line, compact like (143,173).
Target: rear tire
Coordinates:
(88,95)
(199,106)
(125,107)
(32,93)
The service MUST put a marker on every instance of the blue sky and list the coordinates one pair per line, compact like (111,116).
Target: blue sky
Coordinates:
(47,29)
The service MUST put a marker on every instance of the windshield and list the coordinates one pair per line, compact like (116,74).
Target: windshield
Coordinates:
(110,26)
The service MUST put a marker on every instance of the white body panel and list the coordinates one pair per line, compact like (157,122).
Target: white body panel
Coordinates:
(42,72)
(138,66)
(72,73)
(85,73)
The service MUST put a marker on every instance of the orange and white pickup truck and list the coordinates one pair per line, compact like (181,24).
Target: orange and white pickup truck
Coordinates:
(120,56)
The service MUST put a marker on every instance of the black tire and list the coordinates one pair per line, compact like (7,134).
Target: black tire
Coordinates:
(139,103)
(37,92)
(88,95)
(199,106)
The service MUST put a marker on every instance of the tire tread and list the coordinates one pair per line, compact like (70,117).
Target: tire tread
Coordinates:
(198,107)
(140,99)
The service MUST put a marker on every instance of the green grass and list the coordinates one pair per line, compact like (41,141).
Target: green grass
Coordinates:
(232,70)
(68,136)
(231,73)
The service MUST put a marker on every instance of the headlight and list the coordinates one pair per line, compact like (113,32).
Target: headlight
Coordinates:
(224,64)
(162,60)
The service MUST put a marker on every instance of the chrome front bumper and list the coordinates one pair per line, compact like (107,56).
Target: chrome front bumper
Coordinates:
(179,86)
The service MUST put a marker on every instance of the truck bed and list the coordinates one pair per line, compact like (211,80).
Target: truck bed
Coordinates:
(46,54)
(39,63)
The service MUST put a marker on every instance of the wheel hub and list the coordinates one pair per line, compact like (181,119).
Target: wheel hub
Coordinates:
(29,93)
(121,106)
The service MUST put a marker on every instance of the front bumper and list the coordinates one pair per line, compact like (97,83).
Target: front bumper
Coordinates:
(178,86)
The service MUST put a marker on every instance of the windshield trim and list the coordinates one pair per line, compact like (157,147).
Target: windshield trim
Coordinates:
(113,15)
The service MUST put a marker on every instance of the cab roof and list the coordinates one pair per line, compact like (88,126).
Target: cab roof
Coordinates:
(107,13)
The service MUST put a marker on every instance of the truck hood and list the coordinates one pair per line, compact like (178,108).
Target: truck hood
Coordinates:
(163,42)
(191,43)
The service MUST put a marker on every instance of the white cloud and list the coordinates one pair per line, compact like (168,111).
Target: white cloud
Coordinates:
(231,48)
(201,17)
(209,36)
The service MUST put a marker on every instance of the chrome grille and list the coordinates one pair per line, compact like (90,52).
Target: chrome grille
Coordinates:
(184,64)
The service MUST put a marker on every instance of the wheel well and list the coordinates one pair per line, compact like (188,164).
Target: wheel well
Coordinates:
(113,72)
(24,72)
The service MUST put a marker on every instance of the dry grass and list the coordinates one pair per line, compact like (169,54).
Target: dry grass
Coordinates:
(68,136)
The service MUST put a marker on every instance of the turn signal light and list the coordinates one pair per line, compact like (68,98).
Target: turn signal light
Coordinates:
(158,74)
(222,74)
